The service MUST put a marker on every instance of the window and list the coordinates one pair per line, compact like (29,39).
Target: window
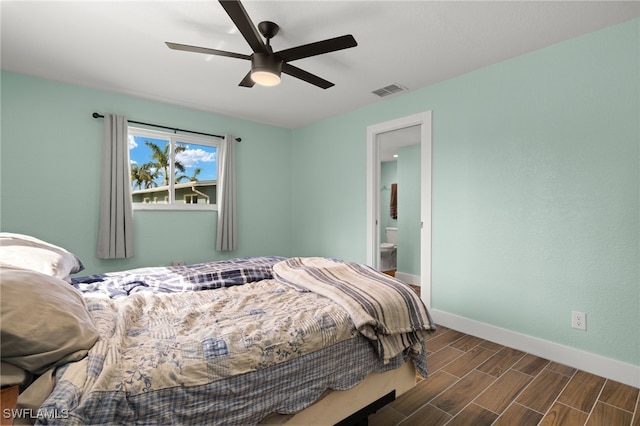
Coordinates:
(172,172)
(191,199)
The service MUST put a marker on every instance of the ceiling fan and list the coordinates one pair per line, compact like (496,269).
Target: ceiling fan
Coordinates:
(267,65)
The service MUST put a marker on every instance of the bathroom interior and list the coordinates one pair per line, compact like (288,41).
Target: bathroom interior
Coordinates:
(388,218)
(400,205)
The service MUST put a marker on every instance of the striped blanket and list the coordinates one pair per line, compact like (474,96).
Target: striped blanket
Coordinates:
(383,309)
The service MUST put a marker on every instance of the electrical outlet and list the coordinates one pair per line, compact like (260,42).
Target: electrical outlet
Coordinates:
(178,263)
(579,320)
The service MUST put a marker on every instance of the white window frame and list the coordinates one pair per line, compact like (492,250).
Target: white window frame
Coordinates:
(174,138)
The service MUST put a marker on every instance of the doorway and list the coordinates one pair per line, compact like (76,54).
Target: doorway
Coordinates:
(375,139)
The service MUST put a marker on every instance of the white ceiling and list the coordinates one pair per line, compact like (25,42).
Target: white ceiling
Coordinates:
(119,46)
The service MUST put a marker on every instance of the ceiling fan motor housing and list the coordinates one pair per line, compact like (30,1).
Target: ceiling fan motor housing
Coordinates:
(265,69)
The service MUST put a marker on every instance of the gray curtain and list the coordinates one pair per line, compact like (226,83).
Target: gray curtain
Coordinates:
(227,239)
(115,233)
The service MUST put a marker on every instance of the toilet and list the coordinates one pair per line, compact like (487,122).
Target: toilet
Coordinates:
(388,249)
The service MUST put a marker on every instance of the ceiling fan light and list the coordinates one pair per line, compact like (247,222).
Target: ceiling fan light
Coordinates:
(265,69)
(265,78)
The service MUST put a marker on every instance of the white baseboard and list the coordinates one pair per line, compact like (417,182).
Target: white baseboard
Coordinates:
(619,371)
(408,278)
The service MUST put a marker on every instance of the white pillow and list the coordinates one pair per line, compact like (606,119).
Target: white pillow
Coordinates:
(44,321)
(28,252)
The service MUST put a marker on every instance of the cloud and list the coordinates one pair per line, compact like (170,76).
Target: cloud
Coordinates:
(191,157)
(132,142)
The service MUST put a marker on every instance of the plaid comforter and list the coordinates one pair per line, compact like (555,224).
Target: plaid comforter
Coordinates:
(200,357)
(170,355)
(176,279)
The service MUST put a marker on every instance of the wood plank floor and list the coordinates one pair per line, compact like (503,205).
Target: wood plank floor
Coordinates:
(476,382)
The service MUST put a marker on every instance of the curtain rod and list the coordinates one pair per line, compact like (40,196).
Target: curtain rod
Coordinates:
(96,115)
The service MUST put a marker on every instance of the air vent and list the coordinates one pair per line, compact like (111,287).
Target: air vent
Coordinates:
(389,90)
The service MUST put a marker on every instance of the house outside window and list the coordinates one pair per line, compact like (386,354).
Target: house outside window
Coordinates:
(172,172)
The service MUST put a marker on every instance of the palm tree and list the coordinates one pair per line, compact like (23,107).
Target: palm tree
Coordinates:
(136,178)
(162,158)
(193,178)
(196,172)
(149,174)
(145,174)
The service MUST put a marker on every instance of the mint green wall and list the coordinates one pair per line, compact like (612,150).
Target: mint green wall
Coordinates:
(328,197)
(408,253)
(50,168)
(535,190)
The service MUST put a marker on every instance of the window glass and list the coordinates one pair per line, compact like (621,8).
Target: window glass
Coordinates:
(172,172)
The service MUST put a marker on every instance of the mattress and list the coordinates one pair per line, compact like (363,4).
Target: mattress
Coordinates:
(233,342)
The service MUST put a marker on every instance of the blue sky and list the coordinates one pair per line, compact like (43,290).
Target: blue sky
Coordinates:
(202,156)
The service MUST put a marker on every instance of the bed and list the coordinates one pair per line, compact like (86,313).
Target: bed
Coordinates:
(261,340)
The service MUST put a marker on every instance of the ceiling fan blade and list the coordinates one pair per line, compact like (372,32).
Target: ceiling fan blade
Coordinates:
(241,19)
(205,50)
(317,48)
(305,76)
(247,81)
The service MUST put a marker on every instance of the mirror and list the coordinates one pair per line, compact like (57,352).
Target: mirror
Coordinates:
(399,215)
(420,225)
